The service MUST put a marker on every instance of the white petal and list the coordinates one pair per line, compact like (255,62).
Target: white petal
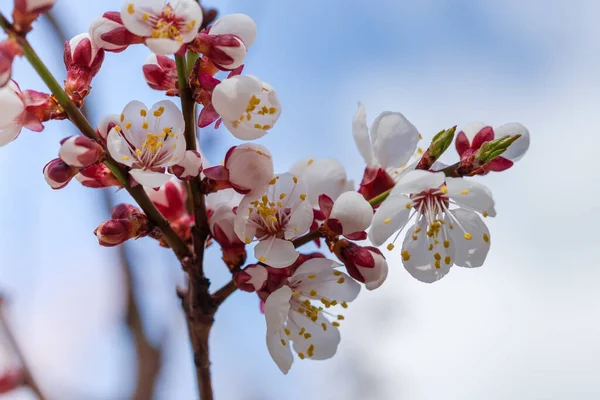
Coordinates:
(323,176)
(517,150)
(318,274)
(325,340)
(417,181)
(236,24)
(118,148)
(149,179)
(250,166)
(163,46)
(244,228)
(12,105)
(242,132)
(192,16)
(470,253)
(472,195)
(277,308)
(9,134)
(276,253)
(133,21)
(171,116)
(353,211)
(230,97)
(394,139)
(360,131)
(374,277)
(300,220)
(390,217)
(132,113)
(417,258)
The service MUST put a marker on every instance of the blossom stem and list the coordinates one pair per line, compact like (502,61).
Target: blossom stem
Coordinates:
(12,342)
(199,306)
(79,120)
(222,294)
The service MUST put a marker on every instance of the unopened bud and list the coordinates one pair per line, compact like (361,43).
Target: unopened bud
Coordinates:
(170,199)
(27,11)
(490,150)
(79,151)
(227,41)
(97,176)
(125,211)
(351,213)
(9,49)
(114,232)
(160,72)
(221,224)
(83,60)
(365,264)
(439,144)
(189,167)
(250,166)
(252,278)
(109,33)
(58,174)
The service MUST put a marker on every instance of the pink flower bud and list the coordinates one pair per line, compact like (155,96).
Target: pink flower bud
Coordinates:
(27,11)
(21,109)
(170,199)
(125,211)
(9,49)
(189,168)
(58,174)
(109,33)
(252,278)
(365,264)
(352,212)
(83,60)
(226,42)
(250,166)
(221,225)
(160,72)
(97,176)
(114,232)
(79,151)
(11,380)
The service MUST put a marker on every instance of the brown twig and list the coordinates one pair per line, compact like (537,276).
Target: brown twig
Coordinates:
(9,334)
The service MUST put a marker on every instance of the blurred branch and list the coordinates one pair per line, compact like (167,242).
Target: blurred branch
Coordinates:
(149,357)
(9,334)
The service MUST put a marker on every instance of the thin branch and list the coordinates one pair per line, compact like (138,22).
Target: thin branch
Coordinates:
(222,294)
(149,357)
(179,247)
(9,334)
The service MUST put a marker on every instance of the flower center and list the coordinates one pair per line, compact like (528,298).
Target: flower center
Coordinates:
(259,113)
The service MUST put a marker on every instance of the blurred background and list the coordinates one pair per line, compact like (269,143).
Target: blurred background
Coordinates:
(524,326)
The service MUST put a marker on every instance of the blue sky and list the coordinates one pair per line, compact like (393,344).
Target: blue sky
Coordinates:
(522,326)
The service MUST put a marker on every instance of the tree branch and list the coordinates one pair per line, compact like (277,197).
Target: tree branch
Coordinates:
(179,247)
(9,334)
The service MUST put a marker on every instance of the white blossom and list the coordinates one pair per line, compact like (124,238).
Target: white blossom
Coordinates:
(273,215)
(166,27)
(148,141)
(293,319)
(322,176)
(248,106)
(250,166)
(353,212)
(447,229)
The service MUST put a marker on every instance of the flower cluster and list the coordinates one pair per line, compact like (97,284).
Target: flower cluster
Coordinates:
(244,204)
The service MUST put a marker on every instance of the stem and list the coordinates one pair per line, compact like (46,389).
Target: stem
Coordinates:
(198,305)
(10,337)
(222,294)
(79,120)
